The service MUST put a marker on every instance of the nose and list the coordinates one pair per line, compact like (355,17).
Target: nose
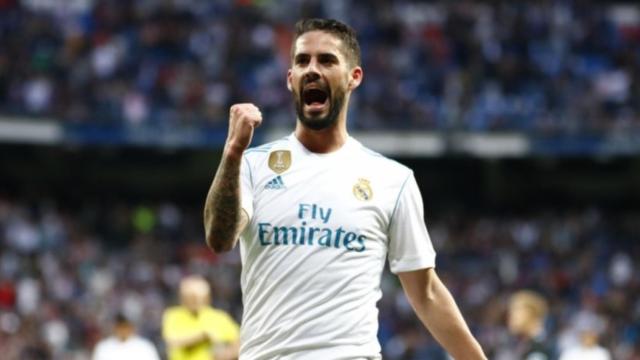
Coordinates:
(311,72)
(310,76)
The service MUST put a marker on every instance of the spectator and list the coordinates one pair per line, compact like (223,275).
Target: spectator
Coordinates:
(588,349)
(527,312)
(196,331)
(124,344)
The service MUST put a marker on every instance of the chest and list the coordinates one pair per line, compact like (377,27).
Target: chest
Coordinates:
(324,193)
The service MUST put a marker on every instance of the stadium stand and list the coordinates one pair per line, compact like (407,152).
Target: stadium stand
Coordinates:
(541,67)
(66,272)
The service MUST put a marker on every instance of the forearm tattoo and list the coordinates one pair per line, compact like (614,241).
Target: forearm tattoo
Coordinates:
(222,207)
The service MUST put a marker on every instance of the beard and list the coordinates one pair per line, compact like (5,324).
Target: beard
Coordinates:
(321,122)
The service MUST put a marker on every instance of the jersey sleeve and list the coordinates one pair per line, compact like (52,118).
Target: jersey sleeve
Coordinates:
(410,246)
(169,328)
(227,330)
(246,187)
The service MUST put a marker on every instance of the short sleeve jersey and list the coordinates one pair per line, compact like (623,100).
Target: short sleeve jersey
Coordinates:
(321,228)
(178,322)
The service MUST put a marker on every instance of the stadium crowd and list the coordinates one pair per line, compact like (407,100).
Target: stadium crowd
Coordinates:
(66,273)
(550,67)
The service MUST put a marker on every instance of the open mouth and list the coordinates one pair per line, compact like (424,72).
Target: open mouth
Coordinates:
(315,98)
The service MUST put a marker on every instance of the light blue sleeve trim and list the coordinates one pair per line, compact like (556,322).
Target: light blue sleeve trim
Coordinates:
(416,263)
(398,200)
(249,151)
(249,169)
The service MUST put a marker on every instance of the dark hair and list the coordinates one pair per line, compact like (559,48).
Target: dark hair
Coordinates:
(342,31)
(121,319)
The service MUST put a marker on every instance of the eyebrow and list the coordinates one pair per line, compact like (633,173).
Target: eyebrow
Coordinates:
(330,56)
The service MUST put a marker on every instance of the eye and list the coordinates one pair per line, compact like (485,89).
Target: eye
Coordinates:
(327,59)
(302,59)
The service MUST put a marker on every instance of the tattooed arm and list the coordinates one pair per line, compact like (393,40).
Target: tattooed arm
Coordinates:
(224,218)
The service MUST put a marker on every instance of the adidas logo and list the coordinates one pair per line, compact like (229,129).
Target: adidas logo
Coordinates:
(275,183)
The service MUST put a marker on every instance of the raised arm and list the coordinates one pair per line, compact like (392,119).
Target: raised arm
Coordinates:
(437,310)
(224,218)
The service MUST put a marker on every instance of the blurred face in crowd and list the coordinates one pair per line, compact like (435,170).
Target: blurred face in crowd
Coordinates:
(520,318)
(123,330)
(194,293)
(589,338)
(321,78)
(527,311)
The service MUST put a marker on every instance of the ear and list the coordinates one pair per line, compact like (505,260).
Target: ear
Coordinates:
(355,77)
(289,80)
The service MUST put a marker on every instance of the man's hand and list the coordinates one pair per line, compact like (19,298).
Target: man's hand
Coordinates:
(243,119)
(222,350)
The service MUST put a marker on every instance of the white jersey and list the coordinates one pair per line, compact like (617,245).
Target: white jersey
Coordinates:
(321,227)
(134,348)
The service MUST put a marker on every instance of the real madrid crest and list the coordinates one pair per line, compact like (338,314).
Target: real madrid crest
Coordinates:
(280,161)
(362,190)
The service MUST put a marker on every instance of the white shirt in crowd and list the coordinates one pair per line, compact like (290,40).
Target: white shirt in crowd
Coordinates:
(321,228)
(133,348)
(586,353)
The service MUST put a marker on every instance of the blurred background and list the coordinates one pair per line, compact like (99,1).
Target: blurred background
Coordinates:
(520,120)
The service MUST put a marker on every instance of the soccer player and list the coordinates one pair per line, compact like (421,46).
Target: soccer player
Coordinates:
(527,312)
(124,344)
(318,214)
(194,330)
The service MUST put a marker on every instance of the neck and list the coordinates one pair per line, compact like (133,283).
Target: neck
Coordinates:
(325,140)
(123,337)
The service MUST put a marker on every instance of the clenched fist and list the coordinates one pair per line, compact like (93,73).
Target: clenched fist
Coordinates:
(243,119)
